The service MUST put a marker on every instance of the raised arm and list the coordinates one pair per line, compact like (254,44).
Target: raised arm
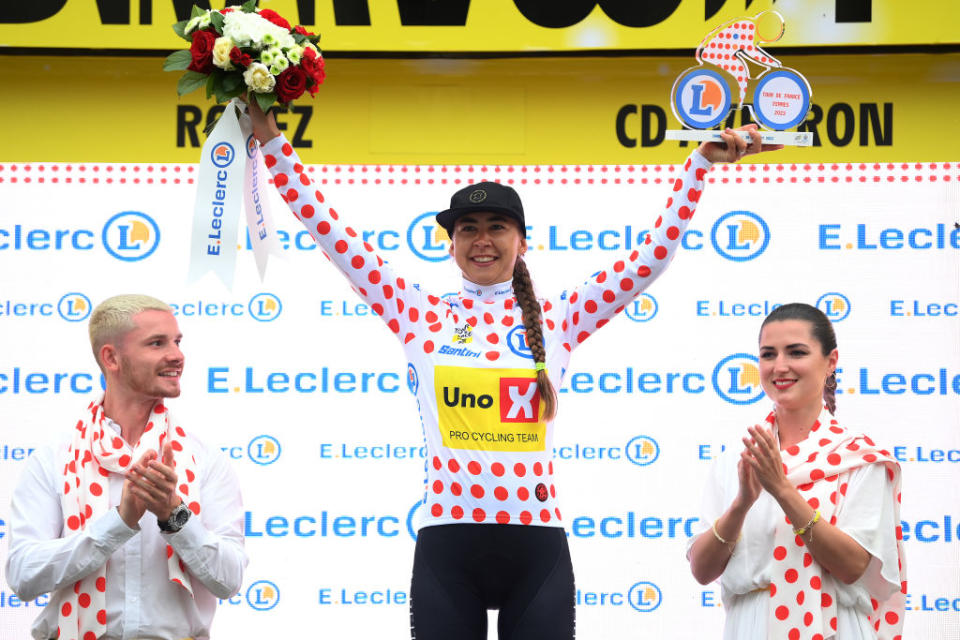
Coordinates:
(389,296)
(593,303)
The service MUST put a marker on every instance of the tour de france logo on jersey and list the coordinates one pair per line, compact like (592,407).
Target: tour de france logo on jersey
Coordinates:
(263,595)
(463,335)
(489,409)
(642,308)
(835,306)
(736,379)
(74,307)
(427,239)
(740,235)
(131,236)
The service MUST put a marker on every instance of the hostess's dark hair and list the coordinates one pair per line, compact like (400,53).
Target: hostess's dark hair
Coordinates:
(822,330)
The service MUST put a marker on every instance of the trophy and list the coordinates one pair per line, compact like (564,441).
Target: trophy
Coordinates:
(701,97)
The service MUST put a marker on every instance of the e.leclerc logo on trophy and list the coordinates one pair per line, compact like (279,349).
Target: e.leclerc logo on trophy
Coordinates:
(702,96)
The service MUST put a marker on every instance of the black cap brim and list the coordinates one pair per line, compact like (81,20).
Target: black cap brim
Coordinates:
(448,217)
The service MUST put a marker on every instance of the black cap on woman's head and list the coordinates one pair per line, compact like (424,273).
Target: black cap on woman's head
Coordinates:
(482,196)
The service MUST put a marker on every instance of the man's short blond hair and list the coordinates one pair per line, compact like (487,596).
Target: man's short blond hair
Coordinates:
(114,317)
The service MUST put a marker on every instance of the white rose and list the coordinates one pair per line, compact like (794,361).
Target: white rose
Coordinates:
(245,29)
(221,53)
(259,78)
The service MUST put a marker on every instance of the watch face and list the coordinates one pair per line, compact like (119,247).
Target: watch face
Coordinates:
(181,516)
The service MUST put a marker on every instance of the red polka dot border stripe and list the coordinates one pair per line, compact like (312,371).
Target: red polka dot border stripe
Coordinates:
(455,175)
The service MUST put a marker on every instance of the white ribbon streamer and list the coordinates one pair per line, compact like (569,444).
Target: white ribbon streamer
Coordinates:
(261,231)
(216,210)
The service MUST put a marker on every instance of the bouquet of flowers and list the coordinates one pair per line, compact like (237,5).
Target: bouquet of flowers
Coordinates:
(246,50)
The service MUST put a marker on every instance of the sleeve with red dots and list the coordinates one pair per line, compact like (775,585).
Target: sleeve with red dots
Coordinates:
(399,305)
(580,312)
(39,560)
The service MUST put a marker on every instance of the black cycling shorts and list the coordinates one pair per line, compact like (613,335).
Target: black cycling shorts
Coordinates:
(461,570)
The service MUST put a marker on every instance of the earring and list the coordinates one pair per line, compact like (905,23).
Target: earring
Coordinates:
(831,383)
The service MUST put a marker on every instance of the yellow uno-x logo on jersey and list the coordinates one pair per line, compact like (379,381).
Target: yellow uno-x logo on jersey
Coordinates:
(489,409)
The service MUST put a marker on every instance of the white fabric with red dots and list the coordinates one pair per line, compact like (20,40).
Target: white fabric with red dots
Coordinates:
(489,454)
(66,539)
(721,47)
(96,453)
(772,587)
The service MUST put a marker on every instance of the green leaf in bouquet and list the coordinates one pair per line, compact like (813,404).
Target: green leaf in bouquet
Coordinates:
(197,11)
(231,81)
(299,38)
(249,7)
(216,19)
(180,28)
(229,94)
(265,100)
(218,89)
(211,82)
(190,81)
(177,61)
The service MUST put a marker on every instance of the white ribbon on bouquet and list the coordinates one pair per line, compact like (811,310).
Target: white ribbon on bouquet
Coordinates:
(231,170)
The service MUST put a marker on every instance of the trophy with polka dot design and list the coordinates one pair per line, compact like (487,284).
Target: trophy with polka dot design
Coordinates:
(701,97)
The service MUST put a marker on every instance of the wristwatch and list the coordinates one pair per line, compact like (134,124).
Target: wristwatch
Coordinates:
(178,518)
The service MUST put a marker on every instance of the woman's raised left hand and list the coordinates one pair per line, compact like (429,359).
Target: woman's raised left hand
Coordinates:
(734,146)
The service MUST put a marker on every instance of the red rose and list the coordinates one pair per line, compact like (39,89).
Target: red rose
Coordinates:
(275,18)
(299,29)
(201,51)
(226,10)
(291,84)
(313,66)
(240,58)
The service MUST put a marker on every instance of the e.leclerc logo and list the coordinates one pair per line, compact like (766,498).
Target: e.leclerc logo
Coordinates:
(736,379)
(740,236)
(264,450)
(413,380)
(643,308)
(428,240)
(835,306)
(265,307)
(262,307)
(642,450)
(74,307)
(644,596)
(130,236)
(263,595)
(222,154)
(517,341)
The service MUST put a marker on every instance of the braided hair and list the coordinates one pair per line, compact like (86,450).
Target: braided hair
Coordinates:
(532,317)
(822,330)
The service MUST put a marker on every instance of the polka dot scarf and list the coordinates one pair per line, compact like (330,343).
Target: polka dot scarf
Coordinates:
(803,605)
(95,452)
